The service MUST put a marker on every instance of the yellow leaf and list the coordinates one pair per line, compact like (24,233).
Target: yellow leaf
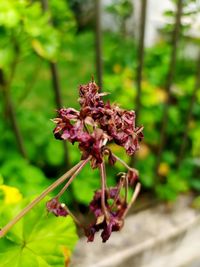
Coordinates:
(117,68)
(128,83)
(115,148)
(163,169)
(37,46)
(161,95)
(11,194)
(143,151)
(67,254)
(192,124)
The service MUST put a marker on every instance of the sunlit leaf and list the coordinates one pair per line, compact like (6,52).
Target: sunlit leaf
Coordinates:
(38,240)
(11,194)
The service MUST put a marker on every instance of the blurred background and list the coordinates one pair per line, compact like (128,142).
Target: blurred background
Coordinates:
(146,54)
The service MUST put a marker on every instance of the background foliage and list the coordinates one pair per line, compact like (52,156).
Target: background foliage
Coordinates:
(30,40)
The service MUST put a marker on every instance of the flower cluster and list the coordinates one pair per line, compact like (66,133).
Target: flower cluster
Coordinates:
(112,220)
(93,127)
(57,208)
(97,123)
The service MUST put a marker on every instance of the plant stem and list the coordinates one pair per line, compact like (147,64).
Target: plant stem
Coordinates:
(6,85)
(119,186)
(56,84)
(104,169)
(134,197)
(125,164)
(126,189)
(62,191)
(103,178)
(140,55)
(169,82)
(98,40)
(5,229)
(189,114)
(76,220)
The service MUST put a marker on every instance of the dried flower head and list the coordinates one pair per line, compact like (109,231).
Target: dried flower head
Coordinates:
(93,127)
(108,123)
(57,208)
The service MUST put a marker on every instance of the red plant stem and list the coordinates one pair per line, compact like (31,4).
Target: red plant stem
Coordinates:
(134,197)
(104,168)
(119,186)
(76,220)
(62,191)
(125,164)
(103,179)
(59,181)
(126,189)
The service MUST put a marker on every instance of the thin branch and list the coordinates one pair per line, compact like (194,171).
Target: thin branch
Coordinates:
(98,43)
(140,55)
(169,80)
(126,189)
(30,84)
(104,169)
(5,229)
(119,186)
(103,179)
(76,220)
(125,164)
(62,191)
(134,197)
(6,85)
(189,114)
(56,84)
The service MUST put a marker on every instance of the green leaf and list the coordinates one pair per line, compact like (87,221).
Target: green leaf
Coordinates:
(166,192)
(195,184)
(38,240)
(28,178)
(54,153)
(1,179)
(85,184)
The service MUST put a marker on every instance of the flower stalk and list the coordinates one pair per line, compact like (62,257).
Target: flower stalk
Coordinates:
(77,171)
(58,182)
(103,179)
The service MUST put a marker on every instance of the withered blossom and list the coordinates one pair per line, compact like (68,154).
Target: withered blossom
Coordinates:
(57,208)
(93,127)
(108,123)
(113,220)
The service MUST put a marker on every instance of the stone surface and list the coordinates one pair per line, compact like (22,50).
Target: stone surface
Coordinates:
(151,238)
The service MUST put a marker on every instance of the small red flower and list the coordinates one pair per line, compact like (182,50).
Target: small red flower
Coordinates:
(57,208)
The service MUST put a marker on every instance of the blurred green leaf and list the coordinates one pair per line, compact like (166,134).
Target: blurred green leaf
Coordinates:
(37,239)
(85,184)
(27,178)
